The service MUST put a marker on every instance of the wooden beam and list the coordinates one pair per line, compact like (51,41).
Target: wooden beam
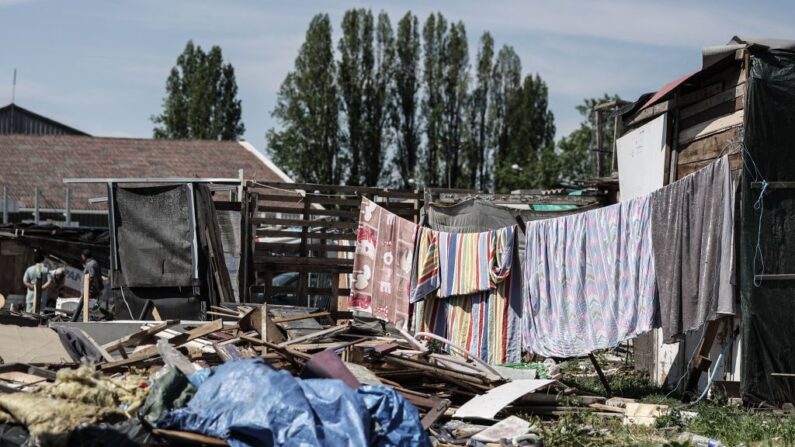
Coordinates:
(712,101)
(317,335)
(301,317)
(702,360)
(86,289)
(602,377)
(711,127)
(179,340)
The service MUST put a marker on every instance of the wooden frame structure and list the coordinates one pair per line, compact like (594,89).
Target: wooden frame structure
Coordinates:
(308,229)
(705,121)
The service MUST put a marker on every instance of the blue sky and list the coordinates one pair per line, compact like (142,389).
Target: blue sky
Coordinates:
(101,66)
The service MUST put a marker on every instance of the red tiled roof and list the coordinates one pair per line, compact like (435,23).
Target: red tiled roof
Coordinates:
(28,161)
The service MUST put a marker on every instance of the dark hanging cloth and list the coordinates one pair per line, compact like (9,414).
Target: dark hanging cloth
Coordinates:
(692,234)
(155,234)
(768,329)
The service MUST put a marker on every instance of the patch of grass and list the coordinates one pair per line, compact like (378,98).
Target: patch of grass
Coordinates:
(734,425)
(582,429)
(627,383)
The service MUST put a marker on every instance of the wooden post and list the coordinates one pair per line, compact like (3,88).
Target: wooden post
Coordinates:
(602,377)
(5,204)
(86,288)
(702,361)
(598,143)
(37,295)
(264,322)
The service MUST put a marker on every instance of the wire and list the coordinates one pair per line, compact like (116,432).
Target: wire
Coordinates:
(759,205)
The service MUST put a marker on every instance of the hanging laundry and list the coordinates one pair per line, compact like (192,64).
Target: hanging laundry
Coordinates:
(589,280)
(382,264)
(693,227)
(464,291)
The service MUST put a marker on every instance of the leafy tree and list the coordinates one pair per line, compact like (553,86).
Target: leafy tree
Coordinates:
(529,161)
(574,150)
(506,82)
(308,110)
(479,125)
(355,72)
(434,34)
(455,70)
(201,98)
(404,98)
(376,104)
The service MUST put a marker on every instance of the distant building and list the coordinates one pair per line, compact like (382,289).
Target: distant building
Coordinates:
(15,120)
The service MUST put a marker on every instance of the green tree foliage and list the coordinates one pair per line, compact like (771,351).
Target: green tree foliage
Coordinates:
(434,34)
(529,160)
(479,129)
(355,72)
(201,98)
(407,94)
(455,78)
(574,150)
(308,144)
(404,99)
(377,102)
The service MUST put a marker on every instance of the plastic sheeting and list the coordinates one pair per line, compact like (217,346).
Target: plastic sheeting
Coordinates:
(154,227)
(768,332)
(247,403)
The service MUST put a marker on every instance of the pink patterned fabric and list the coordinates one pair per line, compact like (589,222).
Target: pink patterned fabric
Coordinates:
(590,280)
(382,264)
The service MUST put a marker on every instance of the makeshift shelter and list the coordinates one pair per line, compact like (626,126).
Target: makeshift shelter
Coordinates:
(739,104)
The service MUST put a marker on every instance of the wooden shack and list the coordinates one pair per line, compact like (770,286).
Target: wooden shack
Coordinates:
(706,117)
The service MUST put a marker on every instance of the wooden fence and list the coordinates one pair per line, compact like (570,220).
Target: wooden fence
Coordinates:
(309,230)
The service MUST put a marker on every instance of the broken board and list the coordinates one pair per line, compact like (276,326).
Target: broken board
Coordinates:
(486,406)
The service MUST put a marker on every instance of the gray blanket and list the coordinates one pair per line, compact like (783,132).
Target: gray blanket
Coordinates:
(692,233)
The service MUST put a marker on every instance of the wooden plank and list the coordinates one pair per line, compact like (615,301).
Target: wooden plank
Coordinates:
(702,353)
(352,214)
(304,223)
(179,340)
(665,106)
(775,277)
(296,248)
(312,290)
(301,317)
(311,235)
(184,437)
(336,189)
(298,261)
(86,288)
(709,148)
(714,113)
(335,330)
(735,164)
(138,336)
(710,128)
(774,185)
(712,101)
(265,266)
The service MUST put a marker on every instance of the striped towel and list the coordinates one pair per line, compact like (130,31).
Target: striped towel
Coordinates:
(467,292)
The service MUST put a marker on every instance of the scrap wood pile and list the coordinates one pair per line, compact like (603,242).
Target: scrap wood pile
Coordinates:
(253,378)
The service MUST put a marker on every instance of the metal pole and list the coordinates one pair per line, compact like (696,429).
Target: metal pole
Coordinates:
(36,207)
(68,207)
(5,204)
(239,197)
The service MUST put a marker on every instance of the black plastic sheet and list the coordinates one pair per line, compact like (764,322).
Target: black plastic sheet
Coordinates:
(154,228)
(768,329)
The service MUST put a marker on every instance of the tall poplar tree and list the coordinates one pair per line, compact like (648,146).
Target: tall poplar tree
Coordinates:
(376,102)
(455,69)
(307,109)
(506,82)
(434,34)
(404,98)
(479,125)
(201,98)
(355,73)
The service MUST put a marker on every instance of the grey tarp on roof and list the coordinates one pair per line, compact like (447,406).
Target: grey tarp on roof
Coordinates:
(712,54)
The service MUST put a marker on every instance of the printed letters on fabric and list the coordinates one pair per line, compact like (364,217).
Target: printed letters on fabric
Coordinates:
(382,264)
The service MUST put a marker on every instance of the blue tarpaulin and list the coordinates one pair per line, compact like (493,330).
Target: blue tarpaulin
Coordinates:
(248,403)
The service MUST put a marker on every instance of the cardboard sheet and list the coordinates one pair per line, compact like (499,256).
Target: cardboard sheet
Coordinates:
(32,345)
(486,406)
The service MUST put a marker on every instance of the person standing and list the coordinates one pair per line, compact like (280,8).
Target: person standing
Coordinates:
(91,268)
(35,273)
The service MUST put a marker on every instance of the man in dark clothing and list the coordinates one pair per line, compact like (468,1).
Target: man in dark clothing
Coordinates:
(91,268)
